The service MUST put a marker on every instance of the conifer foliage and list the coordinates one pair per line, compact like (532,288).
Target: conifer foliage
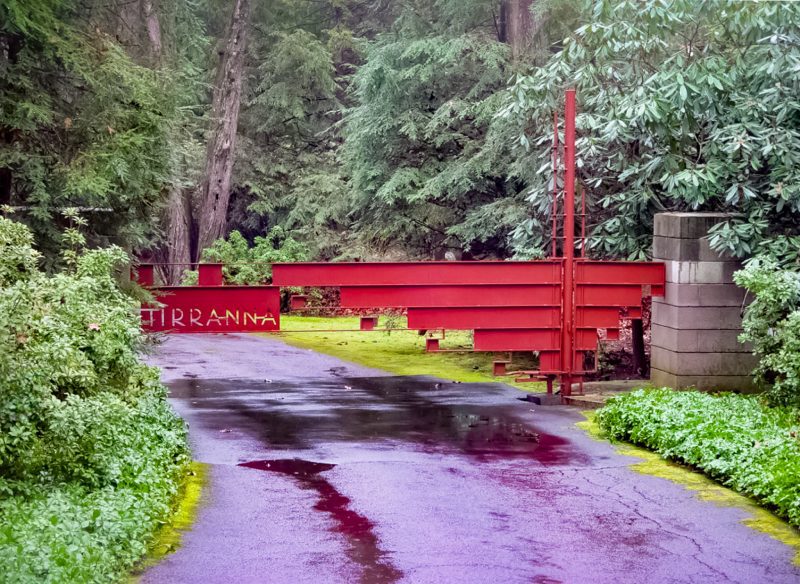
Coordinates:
(82,124)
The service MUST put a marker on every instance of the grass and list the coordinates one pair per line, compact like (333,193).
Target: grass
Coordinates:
(168,538)
(401,352)
(705,488)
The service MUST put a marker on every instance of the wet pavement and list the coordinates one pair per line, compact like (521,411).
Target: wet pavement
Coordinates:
(323,471)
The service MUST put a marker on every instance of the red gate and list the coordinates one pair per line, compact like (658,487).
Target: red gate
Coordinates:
(555,307)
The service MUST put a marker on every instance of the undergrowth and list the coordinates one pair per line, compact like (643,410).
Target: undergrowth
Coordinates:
(91,455)
(735,439)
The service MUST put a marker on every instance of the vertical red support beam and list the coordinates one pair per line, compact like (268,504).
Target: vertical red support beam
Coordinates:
(583,221)
(568,328)
(144,275)
(554,252)
(209,274)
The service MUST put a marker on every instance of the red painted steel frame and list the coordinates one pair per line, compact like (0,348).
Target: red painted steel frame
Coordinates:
(214,309)
(568,304)
(556,307)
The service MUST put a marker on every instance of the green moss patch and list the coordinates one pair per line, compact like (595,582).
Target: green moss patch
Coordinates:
(168,538)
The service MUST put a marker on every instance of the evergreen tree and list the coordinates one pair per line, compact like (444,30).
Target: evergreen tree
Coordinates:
(83,124)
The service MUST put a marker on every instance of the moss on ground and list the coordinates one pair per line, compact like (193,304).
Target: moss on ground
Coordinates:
(706,489)
(168,538)
(401,352)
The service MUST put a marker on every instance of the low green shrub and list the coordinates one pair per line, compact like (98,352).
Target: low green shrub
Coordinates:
(112,482)
(91,455)
(772,324)
(737,440)
(251,264)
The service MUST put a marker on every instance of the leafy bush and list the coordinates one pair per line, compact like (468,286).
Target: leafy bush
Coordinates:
(246,264)
(734,439)
(90,453)
(684,105)
(772,324)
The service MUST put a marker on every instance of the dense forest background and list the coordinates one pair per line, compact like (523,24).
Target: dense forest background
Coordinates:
(380,129)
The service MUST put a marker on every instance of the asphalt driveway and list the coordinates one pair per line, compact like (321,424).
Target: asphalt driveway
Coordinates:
(322,471)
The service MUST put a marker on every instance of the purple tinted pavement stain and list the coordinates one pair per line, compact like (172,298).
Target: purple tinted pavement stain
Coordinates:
(381,408)
(363,544)
(434,482)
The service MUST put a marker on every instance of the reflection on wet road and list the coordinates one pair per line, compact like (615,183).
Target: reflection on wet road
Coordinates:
(427,415)
(322,471)
(362,542)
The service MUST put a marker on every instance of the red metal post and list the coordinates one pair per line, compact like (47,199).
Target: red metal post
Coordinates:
(554,252)
(209,274)
(583,221)
(144,275)
(567,331)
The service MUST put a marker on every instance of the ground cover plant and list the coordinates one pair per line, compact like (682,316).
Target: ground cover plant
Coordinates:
(91,455)
(737,440)
(772,324)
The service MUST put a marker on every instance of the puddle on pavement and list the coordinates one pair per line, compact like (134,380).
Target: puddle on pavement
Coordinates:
(362,543)
(309,412)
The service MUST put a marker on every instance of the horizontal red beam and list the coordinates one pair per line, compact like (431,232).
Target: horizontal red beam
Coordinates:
(550,361)
(214,309)
(633,313)
(447,296)
(597,316)
(586,339)
(484,318)
(608,295)
(517,340)
(415,273)
(641,273)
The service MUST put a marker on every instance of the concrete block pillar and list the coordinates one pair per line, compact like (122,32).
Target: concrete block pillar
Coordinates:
(695,327)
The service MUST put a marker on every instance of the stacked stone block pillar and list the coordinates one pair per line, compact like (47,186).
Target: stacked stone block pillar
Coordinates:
(695,327)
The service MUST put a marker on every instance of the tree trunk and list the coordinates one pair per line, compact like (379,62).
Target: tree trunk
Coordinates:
(502,24)
(215,189)
(637,338)
(5,186)
(153,29)
(519,26)
(179,235)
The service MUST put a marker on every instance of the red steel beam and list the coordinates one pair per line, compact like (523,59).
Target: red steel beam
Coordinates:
(597,316)
(214,309)
(209,275)
(447,296)
(517,340)
(415,273)
(554,306)
(550,361)
(144,275)
(618,273)
(495,317)
(568,330)
(609,295)
(586,339)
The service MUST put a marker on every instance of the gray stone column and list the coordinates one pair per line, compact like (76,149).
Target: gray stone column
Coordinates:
(695,327)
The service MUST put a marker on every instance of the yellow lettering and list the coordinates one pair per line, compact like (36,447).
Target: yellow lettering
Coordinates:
(268,318)
(194,317)
(215,318)
(148,319)
(177,317)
